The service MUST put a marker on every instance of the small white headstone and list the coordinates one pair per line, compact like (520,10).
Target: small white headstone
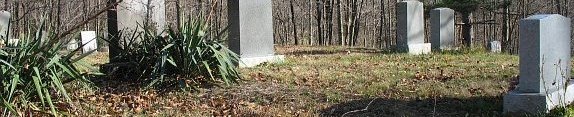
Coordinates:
(89,41)
(72,45)
(495,46)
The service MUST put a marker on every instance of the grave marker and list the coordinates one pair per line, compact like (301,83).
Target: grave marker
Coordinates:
(89,41)
(495,46)
(544,66)
(442,29)
(4,24)
(138,13)
(410,28)
(251,31)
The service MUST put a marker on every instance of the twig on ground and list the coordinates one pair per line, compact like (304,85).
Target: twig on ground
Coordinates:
(361,110)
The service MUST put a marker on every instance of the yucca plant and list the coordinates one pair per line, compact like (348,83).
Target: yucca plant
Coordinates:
(184,57)
(33,74)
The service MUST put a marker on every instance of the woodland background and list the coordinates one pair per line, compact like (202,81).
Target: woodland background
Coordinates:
(353,23)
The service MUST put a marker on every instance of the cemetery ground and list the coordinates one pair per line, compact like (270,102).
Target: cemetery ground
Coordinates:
(324,81)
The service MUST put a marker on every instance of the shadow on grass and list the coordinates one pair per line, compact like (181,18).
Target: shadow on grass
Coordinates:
(340,51)
(128,80)
(475,106)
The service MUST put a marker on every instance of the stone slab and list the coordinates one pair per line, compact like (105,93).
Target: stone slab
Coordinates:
(518,103)
(254,61)
(442,29)
(418,49)
(89,41)
(410,25)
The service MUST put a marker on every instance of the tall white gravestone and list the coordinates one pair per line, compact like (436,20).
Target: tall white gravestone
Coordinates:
(442,29)
(89,41)
(544,66)
(4,25)
(410,28)
(138,13)
(251,31)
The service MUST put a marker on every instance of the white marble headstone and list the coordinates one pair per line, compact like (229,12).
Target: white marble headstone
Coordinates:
(89,41)
(4,24)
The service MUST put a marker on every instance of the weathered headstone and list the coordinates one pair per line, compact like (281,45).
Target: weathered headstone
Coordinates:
(134,14)
(442,29)
(495,46)
(251,31)
(89,41)
(4,25)
(544,66)
(72,45)
(410,28)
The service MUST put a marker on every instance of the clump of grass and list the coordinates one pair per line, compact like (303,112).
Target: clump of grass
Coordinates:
(33,74)
(184,58)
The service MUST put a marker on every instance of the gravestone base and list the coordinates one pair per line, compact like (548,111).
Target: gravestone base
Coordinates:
(418,49)
(254,61)
(516,102)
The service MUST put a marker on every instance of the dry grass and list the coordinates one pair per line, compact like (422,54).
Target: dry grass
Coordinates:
(329,81)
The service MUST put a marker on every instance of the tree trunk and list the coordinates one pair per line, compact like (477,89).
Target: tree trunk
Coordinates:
(505,28)
(178,14)
(329,9)
(467,29)
(293,22)
(113,32)
(319,21)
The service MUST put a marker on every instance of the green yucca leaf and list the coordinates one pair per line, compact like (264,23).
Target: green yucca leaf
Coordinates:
(7,64)
(82,56)
(209,71)
(52,61)
(38,85)
(167,47)
(50,103)
(56,81)
(15,81)
(170,60)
